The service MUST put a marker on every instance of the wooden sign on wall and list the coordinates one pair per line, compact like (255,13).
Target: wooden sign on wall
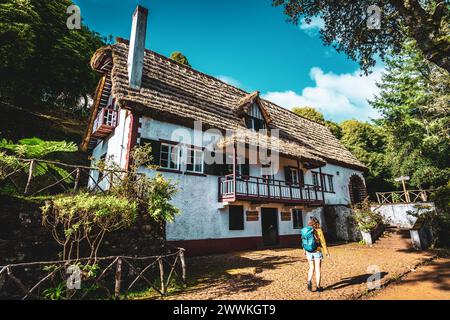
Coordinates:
(252,216)
(285,215)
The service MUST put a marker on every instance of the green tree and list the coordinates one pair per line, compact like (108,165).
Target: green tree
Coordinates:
(345,27)
(414,103)
(367,142)
(43,62)
(314,115)
(309,113)
(180,58)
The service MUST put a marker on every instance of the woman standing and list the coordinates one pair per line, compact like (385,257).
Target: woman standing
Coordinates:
(314,246)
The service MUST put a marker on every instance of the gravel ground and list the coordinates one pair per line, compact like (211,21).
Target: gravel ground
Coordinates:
(281,273)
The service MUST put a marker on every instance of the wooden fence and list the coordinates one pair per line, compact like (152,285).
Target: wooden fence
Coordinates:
(115,278)
(43,177)
(410,196)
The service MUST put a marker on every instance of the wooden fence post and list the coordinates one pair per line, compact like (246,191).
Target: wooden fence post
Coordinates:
(77,180)
(30,176)
(118,278)
(161,274)
(183,266)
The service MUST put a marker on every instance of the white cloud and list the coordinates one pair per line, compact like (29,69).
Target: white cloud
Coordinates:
(229,80)
(337,96)
(313,27)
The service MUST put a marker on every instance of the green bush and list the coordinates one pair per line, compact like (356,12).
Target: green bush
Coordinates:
(366,219)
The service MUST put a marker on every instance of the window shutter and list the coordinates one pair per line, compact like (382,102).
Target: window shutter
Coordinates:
(236,217)
(246,168)
(301,176)
(287,175)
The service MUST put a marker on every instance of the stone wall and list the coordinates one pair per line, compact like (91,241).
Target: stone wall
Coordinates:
(24,239)
(340,225)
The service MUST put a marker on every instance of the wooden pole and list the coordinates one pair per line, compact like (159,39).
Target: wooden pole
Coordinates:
(405,191)
(183,266)
(118,278)
(77,180)
(30,177)
(161,275)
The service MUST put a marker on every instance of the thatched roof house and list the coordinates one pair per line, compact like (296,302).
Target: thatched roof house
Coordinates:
(173,91)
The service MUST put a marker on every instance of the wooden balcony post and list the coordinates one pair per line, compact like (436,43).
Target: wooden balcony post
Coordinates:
(234,169)
(257,186)
(279,185)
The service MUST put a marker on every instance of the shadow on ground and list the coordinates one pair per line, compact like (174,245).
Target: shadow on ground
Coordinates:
(360,279)
(233,274)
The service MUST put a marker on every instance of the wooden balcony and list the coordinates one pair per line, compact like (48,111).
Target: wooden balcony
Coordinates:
(105,123)
(261,190)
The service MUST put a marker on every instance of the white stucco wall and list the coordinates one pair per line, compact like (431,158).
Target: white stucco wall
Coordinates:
(202,216)
(398,214)
(341,193)
(114,146)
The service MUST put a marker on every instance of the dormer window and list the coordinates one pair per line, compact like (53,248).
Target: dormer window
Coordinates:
(254,118)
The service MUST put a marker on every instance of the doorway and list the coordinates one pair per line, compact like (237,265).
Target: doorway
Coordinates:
(269,223)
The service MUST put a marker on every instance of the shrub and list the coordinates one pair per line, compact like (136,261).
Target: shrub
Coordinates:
(366,219)
(85,218)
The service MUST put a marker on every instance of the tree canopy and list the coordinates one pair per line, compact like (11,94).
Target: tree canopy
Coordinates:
(314,115)
(415,103)
(180,58)
(43,62)
(309,113)
(345,27)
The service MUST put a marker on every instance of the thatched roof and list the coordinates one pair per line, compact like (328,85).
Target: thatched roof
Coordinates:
(263,141)
(172,88)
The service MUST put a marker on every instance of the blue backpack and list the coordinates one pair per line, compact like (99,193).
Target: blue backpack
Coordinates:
(308,240)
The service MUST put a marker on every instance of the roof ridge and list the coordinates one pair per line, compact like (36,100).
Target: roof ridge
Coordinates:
(127,42)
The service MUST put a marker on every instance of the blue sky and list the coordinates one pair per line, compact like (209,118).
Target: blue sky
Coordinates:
(248,44)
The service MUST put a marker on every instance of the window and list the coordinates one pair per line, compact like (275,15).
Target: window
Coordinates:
(330,183)
(323,182)
(194,160)
(254,119)
(315,177)
(294,177)
(297,219)
(236,217)
(326,181)
(170,156)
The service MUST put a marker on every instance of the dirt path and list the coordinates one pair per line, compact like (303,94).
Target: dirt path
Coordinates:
(428,282)
(281,273)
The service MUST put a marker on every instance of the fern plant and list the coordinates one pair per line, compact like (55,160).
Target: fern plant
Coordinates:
(32,148)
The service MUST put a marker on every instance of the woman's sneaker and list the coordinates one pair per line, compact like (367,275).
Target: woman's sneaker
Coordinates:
(309,286)
(319,289)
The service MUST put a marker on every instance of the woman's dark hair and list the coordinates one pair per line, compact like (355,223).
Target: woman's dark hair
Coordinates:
(314,222)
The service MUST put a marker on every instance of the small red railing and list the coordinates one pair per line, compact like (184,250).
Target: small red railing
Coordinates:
(105,122)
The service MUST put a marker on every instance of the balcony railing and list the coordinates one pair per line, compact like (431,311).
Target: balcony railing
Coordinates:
(261,189)
(105,122)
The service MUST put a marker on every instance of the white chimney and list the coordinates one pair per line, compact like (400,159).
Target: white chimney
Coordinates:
(137,47)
